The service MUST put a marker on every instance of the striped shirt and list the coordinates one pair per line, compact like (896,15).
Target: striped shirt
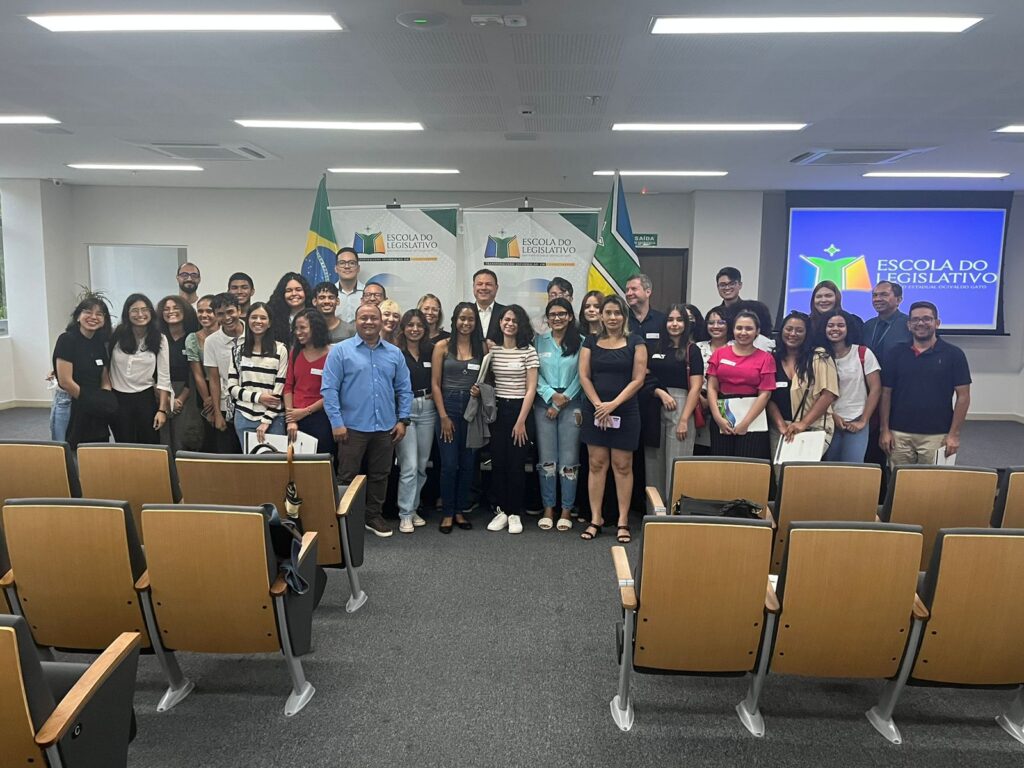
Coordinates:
(509,367)
(255,375)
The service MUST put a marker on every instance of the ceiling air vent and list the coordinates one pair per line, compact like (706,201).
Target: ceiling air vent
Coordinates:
(520,136)
(207,152)
(856,156)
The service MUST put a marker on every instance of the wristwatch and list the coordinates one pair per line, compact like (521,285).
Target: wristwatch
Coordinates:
(406,422)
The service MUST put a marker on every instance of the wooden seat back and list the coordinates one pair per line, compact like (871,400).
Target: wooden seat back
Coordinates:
(976,623)
(75,564)
(702,592)
(940,497)
(17,729)
(139,474)
(1010,505)
(714,477)
(252,480)
(847,593)
(210,572)
(823,491)
(37,470)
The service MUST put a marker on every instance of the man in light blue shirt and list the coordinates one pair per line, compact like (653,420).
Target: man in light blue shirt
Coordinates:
(363,379)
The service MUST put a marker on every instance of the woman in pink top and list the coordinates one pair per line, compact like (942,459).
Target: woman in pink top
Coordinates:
(303,405)
(740,370)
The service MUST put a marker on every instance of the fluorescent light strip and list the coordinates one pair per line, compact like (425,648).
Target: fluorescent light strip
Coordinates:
(120,167)
(395,170)
(662,173)
(936,175)
(753,25)
(709,127)
(27,120)
(332,125)
(1018,128)
(187,22)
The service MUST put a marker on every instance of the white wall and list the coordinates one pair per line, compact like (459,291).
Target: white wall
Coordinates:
(726,231)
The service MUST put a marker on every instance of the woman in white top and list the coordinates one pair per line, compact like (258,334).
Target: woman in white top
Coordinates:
(140,373)
(860,387)
(257,376)
(514,365)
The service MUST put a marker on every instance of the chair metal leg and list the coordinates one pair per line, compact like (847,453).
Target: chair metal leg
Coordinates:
(53,757)
(749,710)
(178,686)
(1012,720)
(880,715)
(358,598)
(621,706)
(302,690)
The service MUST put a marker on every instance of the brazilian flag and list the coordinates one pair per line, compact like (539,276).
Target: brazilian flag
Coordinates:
(321,244)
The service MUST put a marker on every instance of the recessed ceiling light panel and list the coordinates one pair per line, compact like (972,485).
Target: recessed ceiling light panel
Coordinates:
(936,175)
(187,22)
(1010,129)
(131,167)
(27,120)
(395,170)
(753,25)
(709,127)
(333,125)
(662,173)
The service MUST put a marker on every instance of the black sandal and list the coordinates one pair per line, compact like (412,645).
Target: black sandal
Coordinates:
(624,538)
(587,535)
(445,528)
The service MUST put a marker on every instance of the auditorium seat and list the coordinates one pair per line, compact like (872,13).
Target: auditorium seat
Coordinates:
(972,633)
(714,477)
(139,474)
(814,490)
(939,497)
(37,470)
(212,586)
(1009,511)
(698,603)
(337,513)
(846,594)
(65,715)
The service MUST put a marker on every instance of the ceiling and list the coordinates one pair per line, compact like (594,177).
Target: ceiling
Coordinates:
(467,85)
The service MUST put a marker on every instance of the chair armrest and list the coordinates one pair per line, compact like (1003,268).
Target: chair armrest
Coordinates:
(627,588)
(771,600)
(70,707)
(308,539)
(350,494)
(920,611)
(142,585)
(279,588)
(655,500)
(7,580)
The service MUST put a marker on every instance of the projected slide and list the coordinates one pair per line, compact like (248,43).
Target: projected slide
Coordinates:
(950,257)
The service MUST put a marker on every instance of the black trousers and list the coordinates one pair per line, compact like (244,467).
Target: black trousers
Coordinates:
(508,460)
(379,452)
(133,422)
(753,445)
(226,441)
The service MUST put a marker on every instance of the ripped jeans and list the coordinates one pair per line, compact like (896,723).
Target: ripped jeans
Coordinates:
(558,446)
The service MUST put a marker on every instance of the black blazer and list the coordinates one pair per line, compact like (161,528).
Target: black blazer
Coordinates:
(493,331)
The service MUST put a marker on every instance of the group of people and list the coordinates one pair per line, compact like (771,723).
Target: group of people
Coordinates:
(620,386)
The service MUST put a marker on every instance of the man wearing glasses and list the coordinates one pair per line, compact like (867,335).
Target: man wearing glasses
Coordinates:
(350,290)
(919,382)
(729,282)
(188,282)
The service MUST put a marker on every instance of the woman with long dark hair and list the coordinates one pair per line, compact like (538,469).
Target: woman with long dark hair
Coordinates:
(807,383)
(860,388)
(140,356)
(256,377)
(303,403)
(414,449)
(81,360)
(455,367)
(291,295)
(698,327)
(590,313)
(184,427)
(825,299)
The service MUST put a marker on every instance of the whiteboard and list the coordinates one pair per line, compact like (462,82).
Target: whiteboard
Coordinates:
(118,271)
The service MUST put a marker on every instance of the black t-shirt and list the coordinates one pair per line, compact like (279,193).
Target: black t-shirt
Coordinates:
(667,371)
(419,371)
(922,386)
(780,395)
(88,357)
(179,363)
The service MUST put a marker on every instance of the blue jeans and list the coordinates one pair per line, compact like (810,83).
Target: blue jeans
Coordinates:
(243,425)
(558,446)
(60,414)
(848,446)
(458,463)
(413,453)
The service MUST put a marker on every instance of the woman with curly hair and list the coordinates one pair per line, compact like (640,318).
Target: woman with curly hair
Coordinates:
(291,295)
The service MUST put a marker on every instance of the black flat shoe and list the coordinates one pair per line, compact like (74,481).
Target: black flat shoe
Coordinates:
(444,528)
(464,524)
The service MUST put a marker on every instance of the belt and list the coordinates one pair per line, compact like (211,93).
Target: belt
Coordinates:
(421,392)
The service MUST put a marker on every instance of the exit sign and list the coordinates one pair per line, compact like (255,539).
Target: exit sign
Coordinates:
(648,240)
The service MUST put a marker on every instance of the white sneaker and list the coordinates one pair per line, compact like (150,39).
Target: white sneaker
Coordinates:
(406,525)
(499,523)
(418,521)
(515,525)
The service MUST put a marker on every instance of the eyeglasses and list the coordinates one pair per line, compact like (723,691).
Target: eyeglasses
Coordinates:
(142,312)
(370,296)
(922,320)
(557,315)
(348,264)
(716,324)
(730,284)
(189,275)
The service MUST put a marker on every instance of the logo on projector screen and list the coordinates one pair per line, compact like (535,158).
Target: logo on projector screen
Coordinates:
(502,247)
(850,273)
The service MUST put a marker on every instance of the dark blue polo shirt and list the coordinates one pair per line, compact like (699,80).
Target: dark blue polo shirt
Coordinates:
(922,386)
(650,328)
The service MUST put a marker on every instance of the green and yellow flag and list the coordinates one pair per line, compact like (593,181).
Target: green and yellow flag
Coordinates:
(615,259)
(321,244)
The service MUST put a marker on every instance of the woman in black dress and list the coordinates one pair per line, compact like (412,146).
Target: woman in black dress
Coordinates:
(612,368)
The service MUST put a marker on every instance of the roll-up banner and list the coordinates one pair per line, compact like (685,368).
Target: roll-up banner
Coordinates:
(409,250)
(525,249)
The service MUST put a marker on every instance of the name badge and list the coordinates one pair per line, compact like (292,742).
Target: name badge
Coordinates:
(658,356)
(473,366)
(723,361)
(653,336)
(427,364)
(781,384)
(545,354)
(317,371)
(99,362)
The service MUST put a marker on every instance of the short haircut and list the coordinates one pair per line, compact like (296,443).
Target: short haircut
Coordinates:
(485,272)
(241,276)
(390,305)
(561,283)
(370,305)
(731,272)
(348,249)
(645,281)
(924,305)
(326,287)
(379,285)
(189,264)
(222,300)
(897,289)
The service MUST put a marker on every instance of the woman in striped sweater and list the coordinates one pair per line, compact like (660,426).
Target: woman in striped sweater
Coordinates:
(259,366)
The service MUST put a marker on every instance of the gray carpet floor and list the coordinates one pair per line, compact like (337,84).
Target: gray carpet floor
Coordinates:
(480,649)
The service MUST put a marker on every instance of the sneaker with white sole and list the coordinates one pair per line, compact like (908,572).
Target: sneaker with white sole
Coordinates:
(405,525)
(515,525)
(499,523)
(418,521)
(378,526)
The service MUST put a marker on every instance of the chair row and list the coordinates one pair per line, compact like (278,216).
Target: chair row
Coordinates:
(930,496)
(206,582)
(847,605)
(148,474)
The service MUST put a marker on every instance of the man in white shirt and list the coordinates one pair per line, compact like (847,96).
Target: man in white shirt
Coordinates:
(217,352)
(485,290)
(350,290)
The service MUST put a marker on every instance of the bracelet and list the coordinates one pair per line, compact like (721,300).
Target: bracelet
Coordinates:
(161,410)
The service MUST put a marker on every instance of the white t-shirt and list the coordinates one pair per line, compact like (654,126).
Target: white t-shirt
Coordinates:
(217,352)
(853,389)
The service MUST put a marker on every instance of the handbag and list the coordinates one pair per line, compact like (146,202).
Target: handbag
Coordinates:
(743,509)
(286,541)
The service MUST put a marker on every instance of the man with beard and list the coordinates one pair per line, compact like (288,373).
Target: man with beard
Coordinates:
(188,282)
